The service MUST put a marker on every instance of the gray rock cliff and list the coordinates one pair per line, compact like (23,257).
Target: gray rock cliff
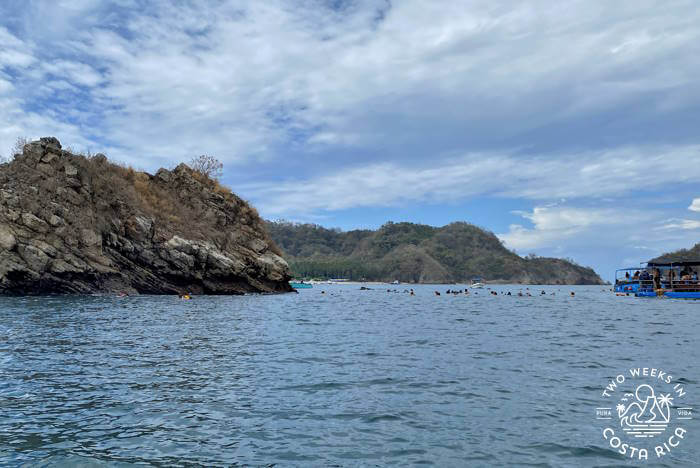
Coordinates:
(76,224)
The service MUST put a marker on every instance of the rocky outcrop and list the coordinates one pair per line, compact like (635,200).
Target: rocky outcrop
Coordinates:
(76,224)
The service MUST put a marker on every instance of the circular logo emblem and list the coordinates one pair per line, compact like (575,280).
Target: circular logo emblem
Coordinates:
(643,413)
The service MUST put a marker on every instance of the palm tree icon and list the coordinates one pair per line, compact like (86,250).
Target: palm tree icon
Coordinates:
(663,403)
(665,400)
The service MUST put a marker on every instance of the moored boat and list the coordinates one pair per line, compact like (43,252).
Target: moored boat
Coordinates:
(477,283)
(677,280)
(628,282)
(300,285)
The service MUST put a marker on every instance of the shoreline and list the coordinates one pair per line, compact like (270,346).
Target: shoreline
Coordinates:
(487,283)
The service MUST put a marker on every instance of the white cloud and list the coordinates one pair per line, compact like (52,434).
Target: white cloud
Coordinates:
(5,86)
(556,224)
(586,175)
(614,229)
(244,79)
(74,72)
(9,41)
(15,58)
(28,81)
(695,205)
(684,224)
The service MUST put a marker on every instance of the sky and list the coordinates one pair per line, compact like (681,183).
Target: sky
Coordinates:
(568,129)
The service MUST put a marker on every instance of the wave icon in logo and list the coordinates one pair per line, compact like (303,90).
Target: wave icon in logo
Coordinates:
(647,415)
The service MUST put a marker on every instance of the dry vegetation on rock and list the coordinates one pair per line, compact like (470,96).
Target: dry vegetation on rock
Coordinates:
(76,223)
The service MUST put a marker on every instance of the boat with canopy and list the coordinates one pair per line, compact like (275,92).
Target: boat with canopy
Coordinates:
(678,280)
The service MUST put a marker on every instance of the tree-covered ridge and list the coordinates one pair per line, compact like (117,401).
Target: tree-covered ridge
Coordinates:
(682,255)
(411,252)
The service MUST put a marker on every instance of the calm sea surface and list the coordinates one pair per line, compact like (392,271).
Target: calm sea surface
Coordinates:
(345,378)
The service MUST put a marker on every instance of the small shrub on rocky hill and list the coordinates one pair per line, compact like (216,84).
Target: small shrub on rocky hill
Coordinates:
(79,223)
(19,145)
(207,165)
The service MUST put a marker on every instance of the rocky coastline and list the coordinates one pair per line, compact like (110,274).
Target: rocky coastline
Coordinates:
(77,224)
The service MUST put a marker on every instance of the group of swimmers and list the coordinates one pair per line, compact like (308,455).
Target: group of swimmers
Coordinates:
(457,292)
(494,293)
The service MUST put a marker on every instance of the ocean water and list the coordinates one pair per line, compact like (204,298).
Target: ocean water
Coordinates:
(345,378)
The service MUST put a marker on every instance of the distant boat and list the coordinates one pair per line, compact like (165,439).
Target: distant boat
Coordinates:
(678,280)
(477,283)
(395,282)
(300,285)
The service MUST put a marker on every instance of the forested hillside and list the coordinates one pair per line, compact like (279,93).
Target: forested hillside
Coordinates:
(683,255)
(416,253)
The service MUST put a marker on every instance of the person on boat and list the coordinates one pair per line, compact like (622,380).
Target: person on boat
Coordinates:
(657,278)
(636,275)
(627,275)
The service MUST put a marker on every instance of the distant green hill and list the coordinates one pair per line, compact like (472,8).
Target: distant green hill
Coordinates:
(416,253)
(683,255)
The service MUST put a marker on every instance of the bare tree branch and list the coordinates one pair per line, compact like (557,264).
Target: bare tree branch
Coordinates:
(208,165)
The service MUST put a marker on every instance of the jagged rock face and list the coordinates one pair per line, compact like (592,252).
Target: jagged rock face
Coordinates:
(73,224)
